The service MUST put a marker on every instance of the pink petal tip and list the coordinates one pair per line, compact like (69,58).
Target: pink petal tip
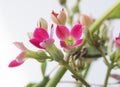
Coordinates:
(15,63)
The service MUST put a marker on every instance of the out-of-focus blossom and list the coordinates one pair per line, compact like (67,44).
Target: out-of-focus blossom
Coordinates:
(40,36)
(59,18)
(69,39)
(20,58)
(115,76)
(85,20)
(118,41)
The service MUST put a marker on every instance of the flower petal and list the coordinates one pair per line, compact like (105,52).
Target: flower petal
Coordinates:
(15,63)
(76,31)
(40,34)
(54,17)
(62,32)
(78,42)
(20,57)
(62,17)
(20,45)
(54,14)
(36,43)
(63,44)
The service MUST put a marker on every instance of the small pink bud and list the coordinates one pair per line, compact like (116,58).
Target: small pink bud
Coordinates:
(85,20)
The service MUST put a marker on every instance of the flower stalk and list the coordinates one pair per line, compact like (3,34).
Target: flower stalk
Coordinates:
(59,74)
(110,67)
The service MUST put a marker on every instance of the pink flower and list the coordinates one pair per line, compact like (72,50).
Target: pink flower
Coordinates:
(69,39)
(40,36)
(20,58)
(118,41)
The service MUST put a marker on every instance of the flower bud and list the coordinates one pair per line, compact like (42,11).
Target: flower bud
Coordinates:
(62,2)
(42,23)
(115,57)
(59,18)
(85,20)
(80,65)
(103,33)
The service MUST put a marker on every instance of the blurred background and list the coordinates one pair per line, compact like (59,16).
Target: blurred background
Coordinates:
(17,17)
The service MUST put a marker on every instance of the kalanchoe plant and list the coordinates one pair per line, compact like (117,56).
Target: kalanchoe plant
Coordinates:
(85,42)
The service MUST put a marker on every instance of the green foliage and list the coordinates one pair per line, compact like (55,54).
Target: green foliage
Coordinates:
(30,85)
(115,14)
(92,52)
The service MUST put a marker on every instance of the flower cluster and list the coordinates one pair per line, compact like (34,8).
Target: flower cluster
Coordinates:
(41,39)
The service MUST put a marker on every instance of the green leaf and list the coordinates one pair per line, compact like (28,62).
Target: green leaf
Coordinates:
(43,68)
(30,84)
(92,52)
(115,14)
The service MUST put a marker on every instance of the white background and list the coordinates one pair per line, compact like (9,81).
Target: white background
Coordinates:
(17,17)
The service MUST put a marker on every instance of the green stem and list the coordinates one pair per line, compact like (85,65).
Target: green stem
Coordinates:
(54,81)
(87,70)
(110,67)
(98,22)
(43,82)
(85,73)
(103,54)
(70,17)
(77,76)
